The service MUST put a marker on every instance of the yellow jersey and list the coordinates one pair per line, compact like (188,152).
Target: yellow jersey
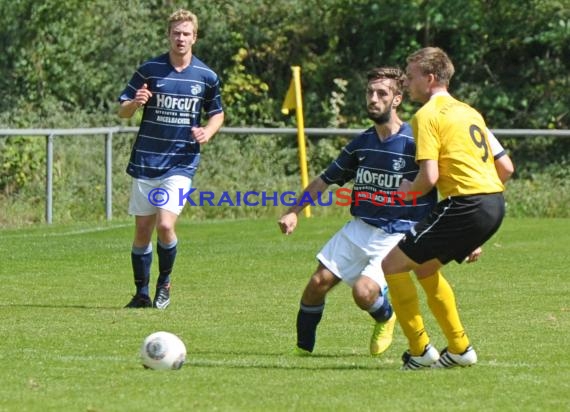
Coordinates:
(455,134)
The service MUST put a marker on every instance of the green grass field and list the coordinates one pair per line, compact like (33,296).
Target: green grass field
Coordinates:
(67,344)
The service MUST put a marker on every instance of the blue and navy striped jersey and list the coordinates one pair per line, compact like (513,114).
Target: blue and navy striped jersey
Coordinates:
(377,168)
(164,145)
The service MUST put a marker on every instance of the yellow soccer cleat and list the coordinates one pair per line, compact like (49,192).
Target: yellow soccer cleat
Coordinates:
(382,336)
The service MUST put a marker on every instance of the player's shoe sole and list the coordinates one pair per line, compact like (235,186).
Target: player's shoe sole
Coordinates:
(425,360)
(451,360)
(382,336)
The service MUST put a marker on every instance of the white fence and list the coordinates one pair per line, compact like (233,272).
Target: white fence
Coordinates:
(109,132)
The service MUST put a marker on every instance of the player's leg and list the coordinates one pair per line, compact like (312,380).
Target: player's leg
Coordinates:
(435,241)
(141,260)
(370,290)
(371,297)
(312,307)
(441,301)
(167,241)
(141,251)
(419,250)
(166,250)
(406,305)
(480,216)
(339,260)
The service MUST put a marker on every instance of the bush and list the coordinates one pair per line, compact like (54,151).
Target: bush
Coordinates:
(230,164)
(543,194)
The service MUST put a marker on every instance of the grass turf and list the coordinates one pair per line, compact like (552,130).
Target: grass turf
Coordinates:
(67,344)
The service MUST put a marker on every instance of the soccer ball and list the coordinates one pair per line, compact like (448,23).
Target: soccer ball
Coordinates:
(163,350)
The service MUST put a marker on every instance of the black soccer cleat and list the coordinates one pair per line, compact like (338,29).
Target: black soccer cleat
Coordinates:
(139,301)
(162,297)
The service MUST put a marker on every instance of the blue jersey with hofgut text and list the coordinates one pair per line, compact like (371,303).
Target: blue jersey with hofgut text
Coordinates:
(164,145)
(377,168)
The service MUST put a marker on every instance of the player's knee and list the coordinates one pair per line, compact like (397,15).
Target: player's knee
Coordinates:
(318,285)
(165,230)
(364,296)
(321,282)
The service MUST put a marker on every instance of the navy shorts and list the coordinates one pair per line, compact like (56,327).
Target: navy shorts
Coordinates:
(455,228)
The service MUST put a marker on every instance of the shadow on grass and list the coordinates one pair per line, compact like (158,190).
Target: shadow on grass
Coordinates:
(289,361)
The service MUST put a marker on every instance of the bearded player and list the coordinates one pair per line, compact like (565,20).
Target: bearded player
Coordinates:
(376,160)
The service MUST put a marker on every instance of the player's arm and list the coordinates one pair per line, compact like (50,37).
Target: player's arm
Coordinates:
(425,180)
(129,107)
(505,170)
(204,134)
(505,167)
(288,221)
(503,162)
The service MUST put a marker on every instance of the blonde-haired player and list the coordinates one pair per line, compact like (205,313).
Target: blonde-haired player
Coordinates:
(454,154)
(176,90)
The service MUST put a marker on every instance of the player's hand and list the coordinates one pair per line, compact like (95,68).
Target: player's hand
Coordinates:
(201,135)
(405,186)
(473,256)
(288,223)
(142,95)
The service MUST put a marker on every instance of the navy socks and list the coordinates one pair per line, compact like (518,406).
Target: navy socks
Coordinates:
(166,257)
(307,320)
(381,310)
(141,259)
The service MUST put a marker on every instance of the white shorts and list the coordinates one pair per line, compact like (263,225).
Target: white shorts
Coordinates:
(149,195)
(358,249)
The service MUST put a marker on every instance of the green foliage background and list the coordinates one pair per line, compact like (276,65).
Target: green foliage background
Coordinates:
(64,62)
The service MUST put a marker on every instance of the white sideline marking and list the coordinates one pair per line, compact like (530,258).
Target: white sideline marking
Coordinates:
(69,233)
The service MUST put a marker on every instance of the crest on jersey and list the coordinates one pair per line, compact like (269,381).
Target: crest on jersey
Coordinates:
(195,89)
(398,164)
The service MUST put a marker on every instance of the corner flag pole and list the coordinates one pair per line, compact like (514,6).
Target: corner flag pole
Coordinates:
(294,100)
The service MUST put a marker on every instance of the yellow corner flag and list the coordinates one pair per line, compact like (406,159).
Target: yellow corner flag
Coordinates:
(290,102)
(294,101)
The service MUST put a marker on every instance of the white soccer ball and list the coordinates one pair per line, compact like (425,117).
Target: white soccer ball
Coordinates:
(163,350)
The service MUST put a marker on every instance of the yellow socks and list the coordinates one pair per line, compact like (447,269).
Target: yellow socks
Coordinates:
(441,301)
(405,302)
